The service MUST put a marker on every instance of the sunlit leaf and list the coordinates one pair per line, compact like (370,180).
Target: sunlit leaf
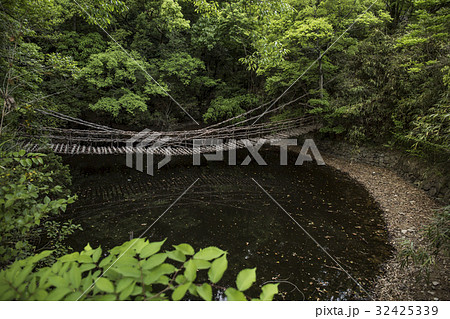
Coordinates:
(180,291)
(209,253)
(205,291)
(185,249)
(234,295)
(268,291)
(191,270)
(217,269)
(104,285)
(245,279)
(151,249)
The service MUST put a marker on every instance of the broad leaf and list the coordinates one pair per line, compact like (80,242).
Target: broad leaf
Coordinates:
(127,271)
(234,295)
(157,272)
(245,279)
(124,283)
(58,294)
(205,291)
(191,270)
(217,269)
(185,249)
(209,253)
(202,264)
(176,255)
(154,261)
(151,249)
(104,285)
(75,277)
(180,291)
(127,291)
(268,291)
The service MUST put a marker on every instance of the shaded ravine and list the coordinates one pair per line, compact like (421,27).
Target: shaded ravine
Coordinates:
(227,209)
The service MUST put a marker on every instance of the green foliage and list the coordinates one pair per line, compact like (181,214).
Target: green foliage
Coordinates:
(245,279)
(205,34)
(395,87)
(57,233)
(29,195)
(136,270)
(423,56)
(223,108)
(181,66)
(437,234)
(169,16)
(386,78)
(420,257)
(125,86)
(205,7)
(288,114)
(24,66)
(99,11)
(80,46)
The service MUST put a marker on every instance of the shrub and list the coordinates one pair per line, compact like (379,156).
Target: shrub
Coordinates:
(424,258)
(136,270)
(30,192)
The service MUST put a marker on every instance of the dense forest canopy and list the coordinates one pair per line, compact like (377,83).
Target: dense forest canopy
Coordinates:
(371,71)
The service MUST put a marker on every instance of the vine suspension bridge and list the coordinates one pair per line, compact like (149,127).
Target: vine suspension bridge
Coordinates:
(104,140)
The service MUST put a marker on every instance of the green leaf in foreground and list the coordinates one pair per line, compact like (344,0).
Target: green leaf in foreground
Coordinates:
(202,264)
(75,277)
(129,278)
(151,249)
(191,270)
(217,269)
(246,278)
(185,249)
(235,295)
(176,255)
(268,291)
(205,291)
(180,291)
(209,253)
(124,283)
(58,294)
(154,261)
(104,285)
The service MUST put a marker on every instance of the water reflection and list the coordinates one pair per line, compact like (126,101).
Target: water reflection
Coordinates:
(227,209)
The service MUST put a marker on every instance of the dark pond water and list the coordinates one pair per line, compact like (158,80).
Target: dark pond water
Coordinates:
(227,209)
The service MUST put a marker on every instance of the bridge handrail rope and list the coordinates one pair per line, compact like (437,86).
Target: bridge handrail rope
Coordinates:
(198,133)
(173,134)
(102,129)
(201,132)
(259,107)
(68,118)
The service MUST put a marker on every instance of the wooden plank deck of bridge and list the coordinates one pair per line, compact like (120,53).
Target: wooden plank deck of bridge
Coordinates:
(179,148)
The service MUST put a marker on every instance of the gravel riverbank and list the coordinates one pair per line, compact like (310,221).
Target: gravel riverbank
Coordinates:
(406,210)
